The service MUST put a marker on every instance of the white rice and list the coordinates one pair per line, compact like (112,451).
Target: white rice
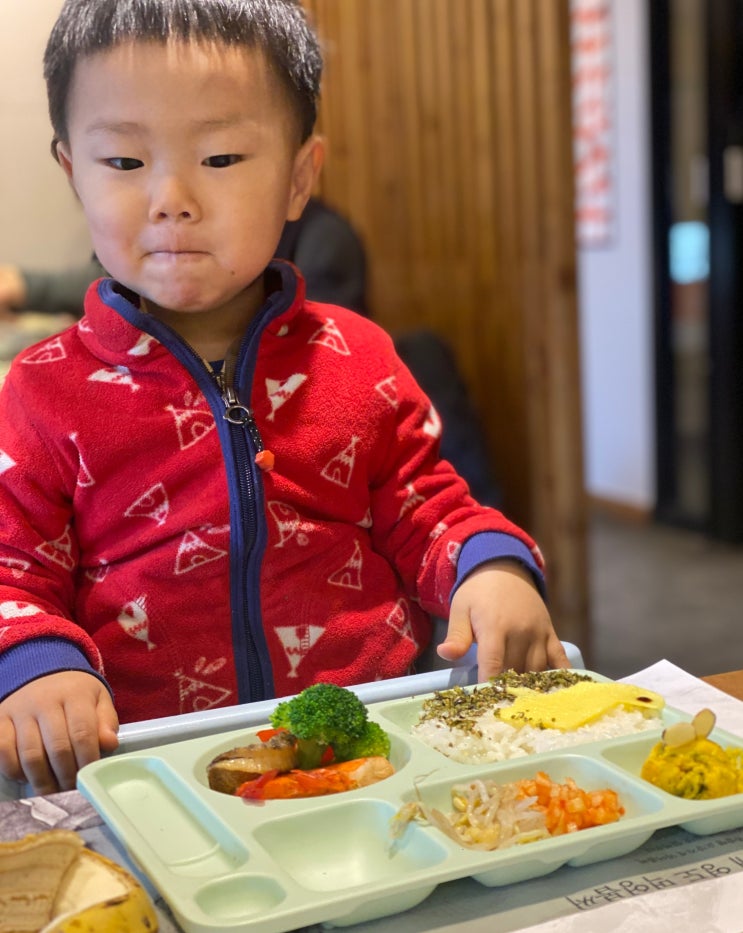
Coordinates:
(499,741)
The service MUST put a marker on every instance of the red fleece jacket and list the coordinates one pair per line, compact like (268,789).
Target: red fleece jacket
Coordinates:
(139,540)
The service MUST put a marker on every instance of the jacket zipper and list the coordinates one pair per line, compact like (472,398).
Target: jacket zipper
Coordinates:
(244,574)
(237,413)
(241,442)
(247,448)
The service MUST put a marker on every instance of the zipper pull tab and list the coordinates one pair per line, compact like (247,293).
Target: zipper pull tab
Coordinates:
(265,460)
(237,413)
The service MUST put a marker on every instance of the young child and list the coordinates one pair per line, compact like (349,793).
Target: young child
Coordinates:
(213,491)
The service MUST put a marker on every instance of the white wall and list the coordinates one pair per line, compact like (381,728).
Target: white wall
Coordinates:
(41,224)
(615,294)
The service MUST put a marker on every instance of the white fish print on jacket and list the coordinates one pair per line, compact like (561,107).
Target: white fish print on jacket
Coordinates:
(134,620)
(116,375)
(17,610)
(280,392)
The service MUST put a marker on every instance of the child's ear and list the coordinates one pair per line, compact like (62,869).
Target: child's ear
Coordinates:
(63,155)
(307,164)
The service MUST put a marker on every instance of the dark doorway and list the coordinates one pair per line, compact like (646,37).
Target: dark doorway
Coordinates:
(697,132)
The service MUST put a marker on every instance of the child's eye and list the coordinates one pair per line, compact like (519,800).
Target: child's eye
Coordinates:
(124,164)
(222,161)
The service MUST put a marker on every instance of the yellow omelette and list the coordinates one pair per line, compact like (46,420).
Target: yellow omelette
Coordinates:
(577,705)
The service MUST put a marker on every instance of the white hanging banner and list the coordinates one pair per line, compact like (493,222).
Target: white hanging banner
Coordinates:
(593,121)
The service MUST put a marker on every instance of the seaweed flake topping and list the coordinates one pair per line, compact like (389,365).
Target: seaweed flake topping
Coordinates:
(459,708)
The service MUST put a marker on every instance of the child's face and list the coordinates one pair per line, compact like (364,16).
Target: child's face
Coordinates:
(186,162)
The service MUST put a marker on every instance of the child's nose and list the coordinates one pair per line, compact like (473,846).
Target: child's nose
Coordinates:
(172,198)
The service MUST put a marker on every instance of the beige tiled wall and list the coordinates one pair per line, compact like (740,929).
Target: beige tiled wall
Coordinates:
(41,224)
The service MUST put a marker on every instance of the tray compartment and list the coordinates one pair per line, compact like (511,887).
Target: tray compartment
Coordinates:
(403,714)
(336,848)
(700,817)
(386,906)
(239,897)
(182,833)
(643,807)
(400,756)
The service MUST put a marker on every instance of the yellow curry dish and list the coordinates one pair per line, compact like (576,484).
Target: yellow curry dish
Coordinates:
(686,763)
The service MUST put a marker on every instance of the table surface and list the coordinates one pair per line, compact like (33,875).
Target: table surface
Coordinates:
(730,682)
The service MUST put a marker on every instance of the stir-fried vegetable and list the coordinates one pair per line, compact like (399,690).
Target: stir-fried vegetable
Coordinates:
(316,782)
(487,815)
(567,808)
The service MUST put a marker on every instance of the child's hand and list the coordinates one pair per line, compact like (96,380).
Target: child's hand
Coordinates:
(499,607)
(53,726)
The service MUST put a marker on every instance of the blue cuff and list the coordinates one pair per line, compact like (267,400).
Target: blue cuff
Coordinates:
(38,657)
(496,545)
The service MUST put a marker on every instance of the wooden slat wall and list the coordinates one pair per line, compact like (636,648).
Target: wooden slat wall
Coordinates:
(449,146)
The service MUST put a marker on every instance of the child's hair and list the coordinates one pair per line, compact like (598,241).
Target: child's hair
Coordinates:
(279,28)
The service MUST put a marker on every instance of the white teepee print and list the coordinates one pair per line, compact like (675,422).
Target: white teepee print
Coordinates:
(59,551)
(366,521)
(349,574)
(196,694)
(387,388)
(412,500)
(51,352)
(193,553)
(135,622)
(452,552)
(84,477)
(116,376)
(16,566)
(432,424)
(15,610)
(280,392)
(289,524)
(191,423)
(329,336)
(6,462)
(399,620)
(340,468)
(98,574)
(152,504)
(296,641)
(83,325)
(143,346)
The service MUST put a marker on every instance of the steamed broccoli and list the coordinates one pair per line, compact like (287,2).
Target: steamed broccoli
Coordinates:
(372,741)
(323,716)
